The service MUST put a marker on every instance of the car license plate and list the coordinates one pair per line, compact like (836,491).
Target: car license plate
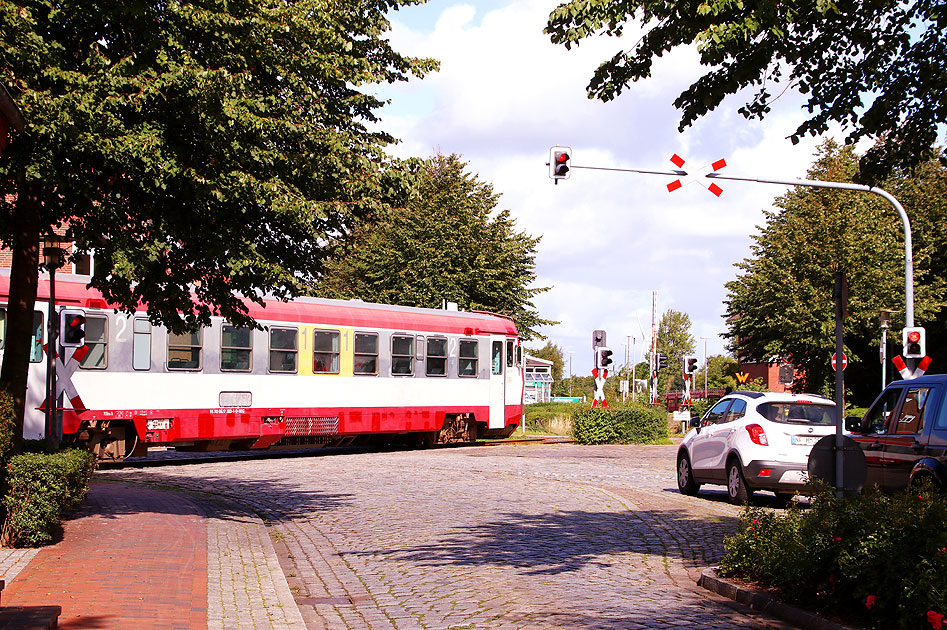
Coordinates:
(159,425)
(805,440)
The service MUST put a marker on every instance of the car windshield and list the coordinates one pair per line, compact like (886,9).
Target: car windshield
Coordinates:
(798,412)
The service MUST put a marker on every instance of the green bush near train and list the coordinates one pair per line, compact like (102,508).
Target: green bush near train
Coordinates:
(37,487)
(634,424)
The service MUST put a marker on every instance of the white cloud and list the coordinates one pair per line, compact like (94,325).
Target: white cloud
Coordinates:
(505,94)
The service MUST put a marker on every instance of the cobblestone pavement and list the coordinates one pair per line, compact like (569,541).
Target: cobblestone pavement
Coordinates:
(509,537)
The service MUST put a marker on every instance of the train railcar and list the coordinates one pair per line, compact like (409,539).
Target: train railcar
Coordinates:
(318,372)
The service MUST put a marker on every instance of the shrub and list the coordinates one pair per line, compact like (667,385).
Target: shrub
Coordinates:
(40,487)
(878,559)
(629,425)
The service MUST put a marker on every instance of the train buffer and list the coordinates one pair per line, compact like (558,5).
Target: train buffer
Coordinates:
(28,617)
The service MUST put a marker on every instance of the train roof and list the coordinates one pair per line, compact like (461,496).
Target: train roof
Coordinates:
(71,290)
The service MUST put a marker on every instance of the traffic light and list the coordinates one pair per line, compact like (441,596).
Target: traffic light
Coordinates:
(914,343)
(690,365)
(603,358)
(71,328)
(560,162)
(661,360)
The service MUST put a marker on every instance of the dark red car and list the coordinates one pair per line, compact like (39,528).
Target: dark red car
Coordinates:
(904,433)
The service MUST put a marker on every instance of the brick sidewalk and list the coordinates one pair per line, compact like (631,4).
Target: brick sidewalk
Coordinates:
(131,558)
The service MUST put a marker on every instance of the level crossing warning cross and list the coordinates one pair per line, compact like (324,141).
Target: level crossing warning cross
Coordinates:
(64,372)
(699,176)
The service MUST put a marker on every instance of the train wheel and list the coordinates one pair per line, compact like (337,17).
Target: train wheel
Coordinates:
(458,428)
(114,443)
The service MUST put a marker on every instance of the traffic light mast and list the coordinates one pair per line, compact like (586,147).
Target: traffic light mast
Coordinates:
(602,359)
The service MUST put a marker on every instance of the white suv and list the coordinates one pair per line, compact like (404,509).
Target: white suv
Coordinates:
(754,441)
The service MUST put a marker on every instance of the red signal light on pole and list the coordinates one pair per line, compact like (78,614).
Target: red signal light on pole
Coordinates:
(71,328)
(560,162)
(913,339)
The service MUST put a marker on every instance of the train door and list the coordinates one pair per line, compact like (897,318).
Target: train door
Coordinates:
(497,386)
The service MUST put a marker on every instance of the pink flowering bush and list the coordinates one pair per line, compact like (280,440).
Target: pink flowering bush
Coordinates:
(876,559)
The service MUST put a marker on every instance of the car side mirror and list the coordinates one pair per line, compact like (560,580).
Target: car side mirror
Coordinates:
(853,425)
(695,422)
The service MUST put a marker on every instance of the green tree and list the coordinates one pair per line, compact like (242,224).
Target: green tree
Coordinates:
(781,305)
(550,352)
(674,341)
(721,372)
(203,151)
(446,243)
(842,54)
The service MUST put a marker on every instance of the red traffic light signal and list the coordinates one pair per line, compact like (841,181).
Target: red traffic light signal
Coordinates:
(560,162)
(914,343)
(603,358)
(690,365)
(71,328)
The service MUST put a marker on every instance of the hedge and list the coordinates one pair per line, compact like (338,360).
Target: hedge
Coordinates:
(878,560)
(40,487)
(630,425)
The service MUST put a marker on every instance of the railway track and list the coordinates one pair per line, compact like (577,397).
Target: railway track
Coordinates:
(170,457)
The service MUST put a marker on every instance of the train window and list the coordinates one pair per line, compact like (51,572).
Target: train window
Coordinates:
(402,355)
(83,264)
(283,350)
(141,344)
(497,360)
(519,356)
(467,363)
(436,356)
(185,351)
(236,348)
(3,327)
(366,353)
(96,339)
(509,354)
(325,352)
(36,346)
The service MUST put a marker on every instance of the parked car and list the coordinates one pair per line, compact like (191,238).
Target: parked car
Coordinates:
(753,441)
(904,433)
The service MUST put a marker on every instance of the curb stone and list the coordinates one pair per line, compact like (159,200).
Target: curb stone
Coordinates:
(757,600)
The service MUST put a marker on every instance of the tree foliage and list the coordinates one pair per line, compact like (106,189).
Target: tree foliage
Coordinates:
(201,150)
(445,243)
(721,372)
(781,305)
(675,341)
(878,68)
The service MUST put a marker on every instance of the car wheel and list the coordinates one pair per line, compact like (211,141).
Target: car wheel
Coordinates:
(736,485)
(685,476)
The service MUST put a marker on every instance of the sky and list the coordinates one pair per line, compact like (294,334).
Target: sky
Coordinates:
(610,241)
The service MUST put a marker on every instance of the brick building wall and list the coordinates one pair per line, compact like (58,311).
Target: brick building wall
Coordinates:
(770,373)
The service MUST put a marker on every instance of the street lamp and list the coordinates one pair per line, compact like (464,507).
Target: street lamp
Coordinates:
(52,260)
(883,319)
(705,366)
(571,352)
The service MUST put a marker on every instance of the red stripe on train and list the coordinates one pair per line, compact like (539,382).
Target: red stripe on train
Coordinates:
(217,424)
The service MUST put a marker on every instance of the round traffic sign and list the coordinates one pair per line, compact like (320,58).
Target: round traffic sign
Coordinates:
(844,361)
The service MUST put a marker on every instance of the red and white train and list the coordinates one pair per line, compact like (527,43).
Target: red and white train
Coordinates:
(320,372)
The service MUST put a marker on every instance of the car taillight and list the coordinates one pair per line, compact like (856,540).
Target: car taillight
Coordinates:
(757,434)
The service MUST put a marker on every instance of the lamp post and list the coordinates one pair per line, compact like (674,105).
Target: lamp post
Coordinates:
(571,352)
(883,320)
(52,260)
(705,366)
